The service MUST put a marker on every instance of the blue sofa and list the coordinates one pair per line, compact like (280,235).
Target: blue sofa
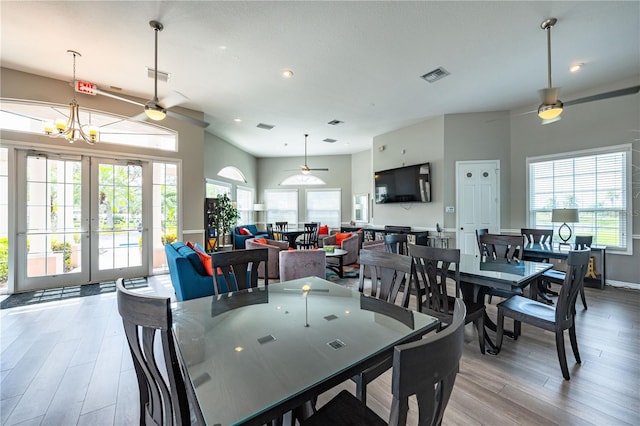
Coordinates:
(188,276)
(239,239)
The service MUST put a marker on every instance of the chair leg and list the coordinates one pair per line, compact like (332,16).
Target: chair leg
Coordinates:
(361,389)
(574,343)
(584,300)
(562,356)
(499,330)
(479,323)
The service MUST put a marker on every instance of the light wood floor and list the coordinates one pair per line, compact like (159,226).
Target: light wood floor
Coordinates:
(67,363)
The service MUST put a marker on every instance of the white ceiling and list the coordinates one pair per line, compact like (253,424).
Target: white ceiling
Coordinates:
(359,62)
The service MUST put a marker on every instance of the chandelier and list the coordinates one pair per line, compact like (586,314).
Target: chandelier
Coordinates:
(71,129)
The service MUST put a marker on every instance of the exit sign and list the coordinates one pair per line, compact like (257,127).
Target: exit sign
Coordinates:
(86,87)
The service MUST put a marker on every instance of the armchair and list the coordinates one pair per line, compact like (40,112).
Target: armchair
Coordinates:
(273,247)
(346,241)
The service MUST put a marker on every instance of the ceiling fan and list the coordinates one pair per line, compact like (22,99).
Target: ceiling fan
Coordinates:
(551,107)
(155,109)
(304,169)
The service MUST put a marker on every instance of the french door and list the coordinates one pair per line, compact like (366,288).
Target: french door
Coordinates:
(80,219)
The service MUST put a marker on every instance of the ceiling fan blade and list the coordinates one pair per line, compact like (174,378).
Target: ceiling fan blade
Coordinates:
(318,170)
(172,99)
(606,95)
(188,119)
(118,97)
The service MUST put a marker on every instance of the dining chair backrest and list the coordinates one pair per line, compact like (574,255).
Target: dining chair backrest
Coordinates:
(582,242)
(537,236)
(396,243)
(144,319)
(427,368)
(577,263)
(480,232)
(431,266)
(499,246)
(390,274)
(238,269)
(270,231)
(282,226)
(310,235)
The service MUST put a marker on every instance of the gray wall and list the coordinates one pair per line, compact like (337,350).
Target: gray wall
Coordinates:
(416,144)
(219,153)
(272,171)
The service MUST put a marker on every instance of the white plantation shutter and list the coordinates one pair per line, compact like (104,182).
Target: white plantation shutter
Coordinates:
(596,182)
(323,206)
(282,206)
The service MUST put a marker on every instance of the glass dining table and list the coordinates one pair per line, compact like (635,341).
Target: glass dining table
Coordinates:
(253,355)
(479,274)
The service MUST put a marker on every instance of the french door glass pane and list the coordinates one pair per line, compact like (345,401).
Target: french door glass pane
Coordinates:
(53,225)
(165,211)
(120,216)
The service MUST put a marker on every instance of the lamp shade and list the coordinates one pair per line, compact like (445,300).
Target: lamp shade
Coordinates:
(258,207)
(564,215)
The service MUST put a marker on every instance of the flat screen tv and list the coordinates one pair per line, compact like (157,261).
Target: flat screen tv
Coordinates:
(410,184)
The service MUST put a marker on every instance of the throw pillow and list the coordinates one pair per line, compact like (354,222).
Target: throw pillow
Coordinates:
(245,231)
(340,237)
(260,240)
(323,230)
(206,261)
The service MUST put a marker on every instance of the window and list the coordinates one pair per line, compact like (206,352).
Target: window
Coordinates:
(596,182)
(214,188)
(165,211)
(282,205)
(232,173)
(244,197)
(301,180)
(323,205)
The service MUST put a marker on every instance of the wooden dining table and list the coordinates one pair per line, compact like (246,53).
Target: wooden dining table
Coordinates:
(251,356)
(479,274)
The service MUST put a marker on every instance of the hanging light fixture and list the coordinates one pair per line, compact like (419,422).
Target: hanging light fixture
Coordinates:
(551,107)
(71,129)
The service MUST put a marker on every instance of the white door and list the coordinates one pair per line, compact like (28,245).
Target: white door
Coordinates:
(477,200)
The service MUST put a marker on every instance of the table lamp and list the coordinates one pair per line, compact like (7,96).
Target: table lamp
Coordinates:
(563,216)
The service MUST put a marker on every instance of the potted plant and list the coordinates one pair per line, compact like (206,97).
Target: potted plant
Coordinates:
(226,215)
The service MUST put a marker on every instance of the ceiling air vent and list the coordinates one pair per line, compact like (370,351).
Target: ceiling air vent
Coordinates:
(435,75)
(335,122)
(329,140)
(265,126)
(162,76)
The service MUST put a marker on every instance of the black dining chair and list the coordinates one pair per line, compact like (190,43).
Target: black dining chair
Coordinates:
(164,394)
(390,274)
(396,243)
(426,368)
(238,269)
(309,237)
(431,268)
(557,319)
(270,231)
(480,232)
(544,237)
(279,228)
(557,277)
(498,246)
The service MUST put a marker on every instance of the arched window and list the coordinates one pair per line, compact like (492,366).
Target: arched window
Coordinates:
(232,173)
(301,179)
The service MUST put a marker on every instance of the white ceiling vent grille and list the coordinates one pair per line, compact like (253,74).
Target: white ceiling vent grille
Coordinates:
(265,126)
(162,76)
(435,75)
(335,122)
(329,140)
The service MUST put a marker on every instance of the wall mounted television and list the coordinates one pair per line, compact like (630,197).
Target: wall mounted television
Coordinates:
(409,184)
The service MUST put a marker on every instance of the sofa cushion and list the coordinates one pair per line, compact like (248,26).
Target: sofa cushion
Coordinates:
(193,257)
(260,240)
(206,261)
(340,237)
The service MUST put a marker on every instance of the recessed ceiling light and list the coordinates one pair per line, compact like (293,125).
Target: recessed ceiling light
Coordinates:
(576,67)
(237,120)
(222,47)
(287,73)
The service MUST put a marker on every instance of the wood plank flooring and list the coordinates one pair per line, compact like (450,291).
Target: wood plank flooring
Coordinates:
(67,363)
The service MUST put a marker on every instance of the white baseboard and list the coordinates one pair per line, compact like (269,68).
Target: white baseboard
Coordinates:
(622,284)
